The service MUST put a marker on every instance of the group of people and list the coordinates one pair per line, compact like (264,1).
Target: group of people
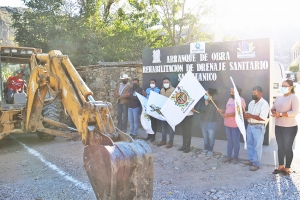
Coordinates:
(284,110)
(128,104)
(129,107)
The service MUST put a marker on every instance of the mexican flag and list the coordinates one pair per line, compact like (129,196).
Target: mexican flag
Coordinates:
(183,99)
(154,105)
(239,115)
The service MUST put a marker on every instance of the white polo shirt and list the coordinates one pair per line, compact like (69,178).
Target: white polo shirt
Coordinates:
(261,109)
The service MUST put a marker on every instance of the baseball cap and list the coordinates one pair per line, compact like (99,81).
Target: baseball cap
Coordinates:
(21,72)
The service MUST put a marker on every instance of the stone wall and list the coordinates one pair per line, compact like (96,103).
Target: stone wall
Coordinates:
(104,78)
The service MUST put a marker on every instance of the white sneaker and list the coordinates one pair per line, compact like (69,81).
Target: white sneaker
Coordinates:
(204,152)
(209,153)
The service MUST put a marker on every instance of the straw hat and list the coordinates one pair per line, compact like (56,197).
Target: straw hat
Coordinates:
(125,76)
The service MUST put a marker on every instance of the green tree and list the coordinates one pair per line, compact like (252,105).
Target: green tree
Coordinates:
(294,68)
(131,32)
(45,25)
(89,31)
(38,24)
(181,20)
(96,10)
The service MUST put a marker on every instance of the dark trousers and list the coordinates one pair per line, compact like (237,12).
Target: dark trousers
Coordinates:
(186,131)
(165,128)
(285,138)
(153,124)
(122,115)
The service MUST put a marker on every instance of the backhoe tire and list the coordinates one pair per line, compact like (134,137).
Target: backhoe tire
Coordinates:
(49,111)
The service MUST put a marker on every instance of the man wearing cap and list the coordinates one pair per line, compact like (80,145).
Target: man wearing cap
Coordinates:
(122,94)
(15,84)
(256,116)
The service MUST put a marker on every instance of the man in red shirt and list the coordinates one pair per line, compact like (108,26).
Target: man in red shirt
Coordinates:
(15,84)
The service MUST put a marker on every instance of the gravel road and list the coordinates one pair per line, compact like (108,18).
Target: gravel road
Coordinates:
(23,175)
(35,169)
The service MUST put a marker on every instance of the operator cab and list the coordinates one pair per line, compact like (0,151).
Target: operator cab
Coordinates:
(16,72)
(14,60)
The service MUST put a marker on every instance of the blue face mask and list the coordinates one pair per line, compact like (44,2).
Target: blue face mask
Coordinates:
(206,97)
(284,90)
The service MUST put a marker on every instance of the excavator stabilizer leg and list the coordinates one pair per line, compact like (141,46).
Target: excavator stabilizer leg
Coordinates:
(120,172)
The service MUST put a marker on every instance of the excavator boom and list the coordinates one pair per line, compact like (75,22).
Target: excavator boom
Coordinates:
(118,167)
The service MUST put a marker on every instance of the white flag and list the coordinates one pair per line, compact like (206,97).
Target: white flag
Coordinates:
(155,103)
(145,119)
(183,99)
(239,115)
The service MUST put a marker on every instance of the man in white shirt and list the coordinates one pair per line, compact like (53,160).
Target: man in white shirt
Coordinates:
(257,114)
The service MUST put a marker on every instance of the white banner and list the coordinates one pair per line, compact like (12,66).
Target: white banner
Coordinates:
(145,119)
(155,103)
(239,115)
(183,99)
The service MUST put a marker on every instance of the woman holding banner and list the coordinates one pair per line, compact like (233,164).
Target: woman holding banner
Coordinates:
(154,88)
(285,110)
(232,131)
(134,107)
(208,120)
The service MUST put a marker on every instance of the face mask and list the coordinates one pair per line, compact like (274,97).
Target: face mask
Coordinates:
(124,82)
(254,97)
(232,96)
(152,85)
(166,85)
(135,84)
(206,97)
(285,90)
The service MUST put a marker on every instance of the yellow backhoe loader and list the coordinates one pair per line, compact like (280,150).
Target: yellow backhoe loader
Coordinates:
(118,167)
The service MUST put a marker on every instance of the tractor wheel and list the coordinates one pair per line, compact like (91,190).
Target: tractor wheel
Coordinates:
(49,111)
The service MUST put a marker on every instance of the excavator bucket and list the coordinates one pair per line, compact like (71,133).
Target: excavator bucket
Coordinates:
(123,171)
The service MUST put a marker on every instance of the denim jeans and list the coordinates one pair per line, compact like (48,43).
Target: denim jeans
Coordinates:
(10,95)
(165,126)
(122,115)
(255,139)
(209,132)
(285,137)
(133,117)
(233,138)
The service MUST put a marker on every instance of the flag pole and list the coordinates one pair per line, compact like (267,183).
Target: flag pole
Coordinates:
(244,109)
(212,101)
(195,111)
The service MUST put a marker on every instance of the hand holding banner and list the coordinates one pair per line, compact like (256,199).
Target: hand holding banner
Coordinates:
(183,99)
(154,105)
(239,116)
(145,119)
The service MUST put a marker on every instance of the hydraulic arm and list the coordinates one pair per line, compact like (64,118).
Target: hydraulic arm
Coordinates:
(118,167)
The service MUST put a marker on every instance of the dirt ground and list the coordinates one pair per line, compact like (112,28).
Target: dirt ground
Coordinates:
(24,175)
(198,173)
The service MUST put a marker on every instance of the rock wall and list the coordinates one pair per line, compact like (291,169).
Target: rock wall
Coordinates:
(6,31)
(103,79)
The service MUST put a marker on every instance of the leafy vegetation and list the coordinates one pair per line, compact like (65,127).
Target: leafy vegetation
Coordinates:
(294,68)
(90,31)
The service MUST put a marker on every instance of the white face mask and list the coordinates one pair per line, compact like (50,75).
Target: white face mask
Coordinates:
(152,85)
(284,90)
(166,85)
